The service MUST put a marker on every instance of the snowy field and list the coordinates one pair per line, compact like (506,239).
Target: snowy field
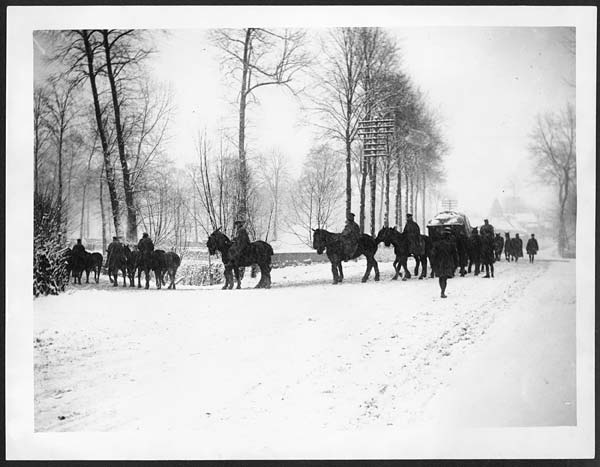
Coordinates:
(496,352)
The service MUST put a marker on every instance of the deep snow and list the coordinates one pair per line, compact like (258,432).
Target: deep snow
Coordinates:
(386,354)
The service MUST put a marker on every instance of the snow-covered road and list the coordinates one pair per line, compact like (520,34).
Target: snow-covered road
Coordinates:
(305,352)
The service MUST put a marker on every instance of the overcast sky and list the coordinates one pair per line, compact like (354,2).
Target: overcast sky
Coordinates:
(487,85)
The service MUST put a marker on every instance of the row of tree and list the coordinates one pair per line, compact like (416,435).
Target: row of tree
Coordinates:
(101,128)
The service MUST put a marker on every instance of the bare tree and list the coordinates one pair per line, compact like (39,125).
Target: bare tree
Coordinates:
(123,52)
(258,57)
(274,175)
(553,149)
(339,99)
(316,194)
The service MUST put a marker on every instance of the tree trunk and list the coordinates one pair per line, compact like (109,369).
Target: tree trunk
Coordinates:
(60,221)
(373,182)
(110,175)
(243,195)
(348,173)
(423,193)
(102,214)
(399,194)
(363,184)
(127,187)
(406,198)
(386,218)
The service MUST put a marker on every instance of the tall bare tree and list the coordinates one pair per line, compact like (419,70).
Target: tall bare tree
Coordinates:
(274,176)
(553,149)
(258,57)
(339,99)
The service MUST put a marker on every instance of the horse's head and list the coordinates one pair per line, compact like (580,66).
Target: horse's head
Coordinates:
(385,235)
(216,241)
(319,240)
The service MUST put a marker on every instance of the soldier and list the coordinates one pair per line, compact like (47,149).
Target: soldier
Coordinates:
(241,241)
(532,247)
(445,259)
(145,244)
(78,248)
(517,244)
(351,235)
(507,246)
(487,229)
(498,246)
(413,233)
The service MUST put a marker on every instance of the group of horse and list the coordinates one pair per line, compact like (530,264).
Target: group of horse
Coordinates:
(128,261)
(474,253)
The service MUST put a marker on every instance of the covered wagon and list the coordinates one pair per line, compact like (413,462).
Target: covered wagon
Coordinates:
(456,221)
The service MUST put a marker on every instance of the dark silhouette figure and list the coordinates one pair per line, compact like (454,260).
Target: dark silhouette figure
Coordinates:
(172,262)
(145,248)
(258,252)
(93,262)
(350,237)
(498,246)
(413,234)
(116,261)
(77,261)
(487,229)
(158,265)
(507,247)
(333,243)
(474,251)
(487,255)
(517,247)
(391,236)
(445,259)
(532,248)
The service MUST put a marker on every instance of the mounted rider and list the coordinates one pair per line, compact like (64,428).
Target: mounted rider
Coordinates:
(241,241)
(350,237)
(145,244)
(79,249)
(413,234)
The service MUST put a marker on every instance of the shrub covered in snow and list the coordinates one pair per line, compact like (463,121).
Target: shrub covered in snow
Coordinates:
(200,273)
(50,275)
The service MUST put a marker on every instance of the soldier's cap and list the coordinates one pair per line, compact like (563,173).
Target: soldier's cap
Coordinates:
(145,234)
(79,240)
(485,220)
(115,238)
(238,222)
(533,235)
(409,215)
(351,215)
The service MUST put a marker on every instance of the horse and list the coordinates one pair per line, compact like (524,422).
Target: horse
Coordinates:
(172,262)
(132,256)
(76,264)
(422,255)
(333,243)
(93,262)
(488,255)
(257,252)
(390,235)
(117,261)
(145,264)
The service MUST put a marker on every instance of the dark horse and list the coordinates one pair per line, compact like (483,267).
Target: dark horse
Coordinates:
(172,262)
(391,235)
(117,261)
(93,262)
(258,252)
(333,243)
(132,256)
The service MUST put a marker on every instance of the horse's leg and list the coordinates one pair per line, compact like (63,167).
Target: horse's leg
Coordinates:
(341,270)
(115,274)
(405,267)
(334,271)
(423,267)
(147,273)
(124,277)
(492,268)
(396,265)
(365,278)
(376,267)
(260,283)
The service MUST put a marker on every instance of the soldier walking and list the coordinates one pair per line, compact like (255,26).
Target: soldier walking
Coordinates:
(532,247)
(350,235)
(445,259)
